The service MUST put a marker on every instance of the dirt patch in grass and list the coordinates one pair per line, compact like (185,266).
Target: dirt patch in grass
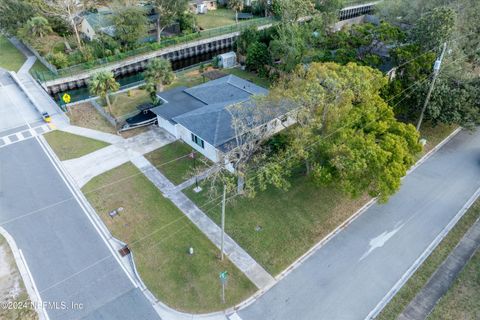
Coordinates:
(12,289)
(85,115)
(159,236)
(462,301)
(174,162)
(69,146)
(421,276)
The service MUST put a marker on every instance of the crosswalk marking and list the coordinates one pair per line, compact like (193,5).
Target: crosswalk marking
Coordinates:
(24,135)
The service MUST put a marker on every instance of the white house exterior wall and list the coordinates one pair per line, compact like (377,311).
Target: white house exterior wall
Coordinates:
(208,151)
(171,128)
(87,29)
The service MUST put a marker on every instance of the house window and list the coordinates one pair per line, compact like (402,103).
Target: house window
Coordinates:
(198,141)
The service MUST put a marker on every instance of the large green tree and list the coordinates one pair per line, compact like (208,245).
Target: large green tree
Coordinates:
(236,5)
(37,27)
(290,11)
(158,74)
(130,25)
(346,134)
(168,11)
(102,84)
(434,28)
(14,14)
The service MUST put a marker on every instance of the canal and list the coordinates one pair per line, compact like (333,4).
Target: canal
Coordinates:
(135,78)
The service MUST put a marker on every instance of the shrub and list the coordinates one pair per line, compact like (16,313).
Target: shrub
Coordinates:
(257,58)
(59,59)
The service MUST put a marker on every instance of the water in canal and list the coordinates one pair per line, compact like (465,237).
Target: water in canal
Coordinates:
(127,80)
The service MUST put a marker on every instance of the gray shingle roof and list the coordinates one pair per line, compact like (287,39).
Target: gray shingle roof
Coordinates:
(202,109)
(178,103)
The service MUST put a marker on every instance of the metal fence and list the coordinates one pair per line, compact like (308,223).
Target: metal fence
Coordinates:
(152,47)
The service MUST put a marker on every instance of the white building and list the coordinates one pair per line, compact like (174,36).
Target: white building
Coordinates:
(199,115)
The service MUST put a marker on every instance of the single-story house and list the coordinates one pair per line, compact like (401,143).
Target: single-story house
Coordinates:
(91,24)
(200,116)
(202,6)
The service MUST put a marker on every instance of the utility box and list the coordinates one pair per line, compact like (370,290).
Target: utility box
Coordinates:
(227,60)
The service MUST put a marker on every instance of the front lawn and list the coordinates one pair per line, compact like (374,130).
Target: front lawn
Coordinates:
(159,236)
(69,146)
(462,300)
(421,276)
(10,58)
(216,18)
(290,222)
(174,162)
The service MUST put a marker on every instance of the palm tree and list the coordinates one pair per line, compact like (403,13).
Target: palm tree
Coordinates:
(157,75)
(236,5)
(102,84)
(38,27)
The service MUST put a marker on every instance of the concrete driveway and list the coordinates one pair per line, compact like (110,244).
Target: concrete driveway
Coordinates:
(70,262)
(353,272)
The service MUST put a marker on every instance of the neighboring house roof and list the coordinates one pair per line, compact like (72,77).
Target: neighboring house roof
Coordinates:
(203,109)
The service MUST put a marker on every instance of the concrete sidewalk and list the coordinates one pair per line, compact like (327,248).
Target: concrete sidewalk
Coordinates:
(240,258)
(424,302)
(27,65)
(85,168)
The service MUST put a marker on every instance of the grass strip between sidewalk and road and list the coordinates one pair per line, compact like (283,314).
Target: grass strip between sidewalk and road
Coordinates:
(69,146)
(462,300)
(12,288)
(418,280)
(159,236)
(277,227)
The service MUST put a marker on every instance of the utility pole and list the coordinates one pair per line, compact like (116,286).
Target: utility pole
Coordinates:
(223,219)
(436,70)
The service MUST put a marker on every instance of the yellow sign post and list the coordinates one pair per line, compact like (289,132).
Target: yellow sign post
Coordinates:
(66,98)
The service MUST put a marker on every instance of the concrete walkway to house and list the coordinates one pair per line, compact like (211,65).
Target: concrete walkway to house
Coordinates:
(92,134)
(424,302)
(85,168)
(240,258)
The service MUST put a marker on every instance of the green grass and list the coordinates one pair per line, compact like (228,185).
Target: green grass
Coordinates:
(69,146)
(159,236)
(292,221)
(10,58)
(38,67)
(250,76)
(462,300)
(173,161)
(435,135)
(216,18)
(421,276)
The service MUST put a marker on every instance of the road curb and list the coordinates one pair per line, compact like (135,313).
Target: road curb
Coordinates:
(342,226)
(425,254)
(27,278)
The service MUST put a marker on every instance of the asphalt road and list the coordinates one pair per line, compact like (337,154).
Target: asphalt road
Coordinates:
(352,273)
(68,259)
